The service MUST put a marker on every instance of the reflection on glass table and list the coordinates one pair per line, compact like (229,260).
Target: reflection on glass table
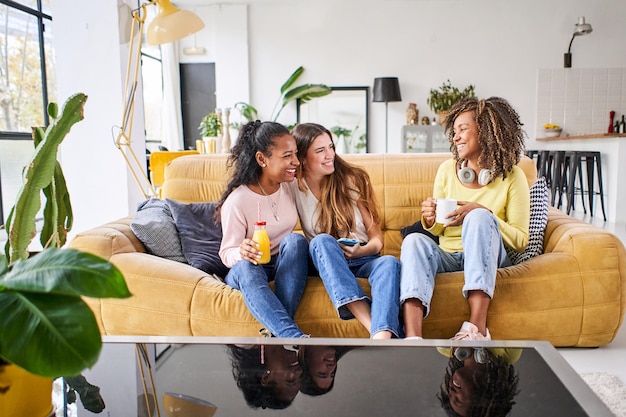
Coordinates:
(356,377)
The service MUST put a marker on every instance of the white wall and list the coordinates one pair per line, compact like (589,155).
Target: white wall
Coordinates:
(497,46)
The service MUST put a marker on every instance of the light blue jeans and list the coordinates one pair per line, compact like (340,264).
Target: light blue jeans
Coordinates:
(338,275)
(275,310)
(483,254)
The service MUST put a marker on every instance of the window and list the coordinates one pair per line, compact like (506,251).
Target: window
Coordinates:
(25,48)
(27,84)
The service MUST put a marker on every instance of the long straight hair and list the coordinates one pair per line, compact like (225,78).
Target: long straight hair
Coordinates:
(340,191)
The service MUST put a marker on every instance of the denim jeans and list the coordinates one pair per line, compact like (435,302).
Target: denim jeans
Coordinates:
(338,275)
(275,310)
(483,254)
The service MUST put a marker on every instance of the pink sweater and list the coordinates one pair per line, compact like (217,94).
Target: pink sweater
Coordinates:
(240,212)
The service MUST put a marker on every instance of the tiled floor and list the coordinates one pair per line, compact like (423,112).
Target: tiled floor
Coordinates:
(612,357)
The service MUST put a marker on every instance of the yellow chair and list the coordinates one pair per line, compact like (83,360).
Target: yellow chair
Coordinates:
(158,161)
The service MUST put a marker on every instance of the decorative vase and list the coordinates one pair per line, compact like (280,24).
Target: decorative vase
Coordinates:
(412,114)
(226,129)
(210,144)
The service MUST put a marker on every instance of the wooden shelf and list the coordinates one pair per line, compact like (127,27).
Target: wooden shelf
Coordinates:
(593,136)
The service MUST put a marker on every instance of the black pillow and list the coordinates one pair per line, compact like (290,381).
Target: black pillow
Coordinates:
(418,228)
(199,235)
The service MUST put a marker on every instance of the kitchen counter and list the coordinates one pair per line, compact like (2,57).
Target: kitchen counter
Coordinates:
(613,149)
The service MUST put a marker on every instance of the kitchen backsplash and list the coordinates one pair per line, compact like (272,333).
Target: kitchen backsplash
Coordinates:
(579,100)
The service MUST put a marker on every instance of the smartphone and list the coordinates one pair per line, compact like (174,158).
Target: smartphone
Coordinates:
(347,241)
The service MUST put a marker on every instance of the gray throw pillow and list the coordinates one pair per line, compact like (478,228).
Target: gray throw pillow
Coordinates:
(154,227)
(537,226)
(200,237)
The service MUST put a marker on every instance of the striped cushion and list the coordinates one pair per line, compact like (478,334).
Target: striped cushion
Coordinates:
(538,221)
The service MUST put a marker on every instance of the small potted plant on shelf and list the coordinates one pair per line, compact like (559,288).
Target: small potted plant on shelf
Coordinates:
(46,328)
(210,129)
(441,100)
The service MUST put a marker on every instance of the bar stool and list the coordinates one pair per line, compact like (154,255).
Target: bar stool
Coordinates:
(559,171)
(575,166)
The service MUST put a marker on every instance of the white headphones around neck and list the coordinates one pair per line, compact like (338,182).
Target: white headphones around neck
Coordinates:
(468,175)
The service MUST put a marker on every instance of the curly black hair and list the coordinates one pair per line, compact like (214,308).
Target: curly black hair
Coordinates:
(248,371)
(253,137)
(496,387)
(500,133)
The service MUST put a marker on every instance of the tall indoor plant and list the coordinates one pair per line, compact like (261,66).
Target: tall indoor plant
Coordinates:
(288,94)
(45,326)
(440,100)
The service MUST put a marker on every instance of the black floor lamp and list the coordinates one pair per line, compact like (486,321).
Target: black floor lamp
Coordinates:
(386,89)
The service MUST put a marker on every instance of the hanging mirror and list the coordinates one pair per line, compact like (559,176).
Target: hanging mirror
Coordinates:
(345,113)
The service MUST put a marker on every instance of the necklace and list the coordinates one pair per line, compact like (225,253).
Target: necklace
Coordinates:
(273,204)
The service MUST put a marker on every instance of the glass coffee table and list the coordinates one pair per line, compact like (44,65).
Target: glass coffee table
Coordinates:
(337,377)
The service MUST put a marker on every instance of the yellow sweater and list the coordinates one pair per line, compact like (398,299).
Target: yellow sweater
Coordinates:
(508,199)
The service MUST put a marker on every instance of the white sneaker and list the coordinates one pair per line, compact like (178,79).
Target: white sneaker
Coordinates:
(469,331)
(414,338)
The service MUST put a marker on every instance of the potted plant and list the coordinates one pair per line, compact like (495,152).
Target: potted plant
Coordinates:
(46,329)
(210,128)
(210,125)
(441,100)
(288,94)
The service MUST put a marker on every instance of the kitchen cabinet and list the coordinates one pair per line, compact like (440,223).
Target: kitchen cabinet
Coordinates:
(424,138)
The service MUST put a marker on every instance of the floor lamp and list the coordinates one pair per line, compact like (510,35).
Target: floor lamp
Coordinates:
(386,89)
(169,25)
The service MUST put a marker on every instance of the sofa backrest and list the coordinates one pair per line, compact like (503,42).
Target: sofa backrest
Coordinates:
(401,182)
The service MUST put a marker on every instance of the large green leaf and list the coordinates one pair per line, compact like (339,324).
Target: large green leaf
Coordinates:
(292,79)
(47,334)
(66,272)
(58,210)
(306,92)
(303,92)
(37,175)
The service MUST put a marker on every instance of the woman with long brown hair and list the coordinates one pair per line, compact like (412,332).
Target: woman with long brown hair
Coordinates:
(335,200)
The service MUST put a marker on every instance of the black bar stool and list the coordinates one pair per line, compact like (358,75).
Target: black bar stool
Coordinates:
(592,160)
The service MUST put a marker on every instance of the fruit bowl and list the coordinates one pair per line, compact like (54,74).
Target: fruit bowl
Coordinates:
(552,130)
(553,133)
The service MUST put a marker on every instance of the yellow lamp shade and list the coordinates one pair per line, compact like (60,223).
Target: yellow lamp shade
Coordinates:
(172,24)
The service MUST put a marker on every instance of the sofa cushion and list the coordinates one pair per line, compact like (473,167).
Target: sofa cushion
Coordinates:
(537,225)
(154,226)
(199,235)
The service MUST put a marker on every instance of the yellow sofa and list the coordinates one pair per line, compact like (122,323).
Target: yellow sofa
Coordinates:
(572,295)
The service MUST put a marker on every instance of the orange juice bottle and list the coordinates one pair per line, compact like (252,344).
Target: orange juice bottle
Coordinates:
(261,237)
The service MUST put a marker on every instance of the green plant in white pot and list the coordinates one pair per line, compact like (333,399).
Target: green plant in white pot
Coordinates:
(210,125)
(210,129)
(45,326)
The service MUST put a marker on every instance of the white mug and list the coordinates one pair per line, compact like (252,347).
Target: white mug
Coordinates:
(445,206)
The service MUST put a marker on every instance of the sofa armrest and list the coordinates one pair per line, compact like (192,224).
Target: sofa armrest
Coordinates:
(600,257)
(109,239)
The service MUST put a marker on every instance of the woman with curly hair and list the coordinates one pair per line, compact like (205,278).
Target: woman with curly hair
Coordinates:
(493,211)
(267,375)
(335,200)
(264,162)
(479,381)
